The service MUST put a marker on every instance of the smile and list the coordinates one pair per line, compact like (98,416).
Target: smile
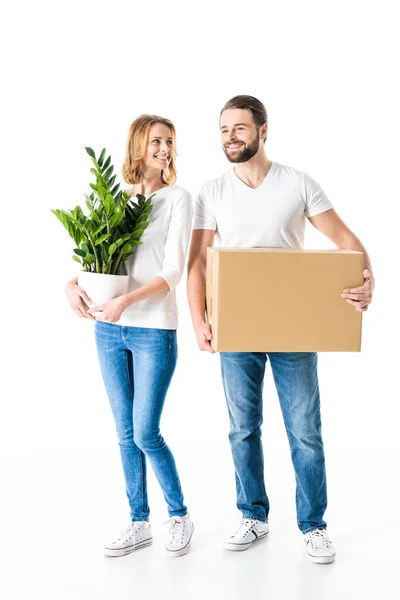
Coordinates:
(234,146)
(163,158)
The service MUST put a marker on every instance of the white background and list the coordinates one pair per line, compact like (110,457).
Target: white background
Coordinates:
(76,74)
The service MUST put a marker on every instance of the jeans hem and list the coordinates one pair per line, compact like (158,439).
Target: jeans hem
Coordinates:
(313,528)
(140,518)
(262,520)
(178,513)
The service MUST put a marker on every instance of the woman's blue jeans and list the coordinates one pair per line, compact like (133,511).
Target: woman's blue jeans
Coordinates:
(137,365)
(296,380)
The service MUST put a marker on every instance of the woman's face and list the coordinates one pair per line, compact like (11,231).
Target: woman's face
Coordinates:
(160,147)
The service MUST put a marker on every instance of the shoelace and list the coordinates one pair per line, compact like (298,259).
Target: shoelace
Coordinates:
(245,527)
(318,538)
(129,532)
(176,527)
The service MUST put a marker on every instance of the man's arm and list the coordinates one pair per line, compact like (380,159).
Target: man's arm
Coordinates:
(196,285)
(331,225)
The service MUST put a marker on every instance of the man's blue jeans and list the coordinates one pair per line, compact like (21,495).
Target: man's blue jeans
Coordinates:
(137,365)
(296,380)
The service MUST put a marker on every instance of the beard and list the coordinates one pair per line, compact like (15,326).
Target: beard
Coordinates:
(247,153)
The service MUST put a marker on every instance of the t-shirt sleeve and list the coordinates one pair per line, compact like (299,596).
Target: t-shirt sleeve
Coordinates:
(316,200)
(203,215)
(176,245)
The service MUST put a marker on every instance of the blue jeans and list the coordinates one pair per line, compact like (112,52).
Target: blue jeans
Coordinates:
(137,365)
(296,381)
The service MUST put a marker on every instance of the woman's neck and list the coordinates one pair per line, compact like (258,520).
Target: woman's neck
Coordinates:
(151,182)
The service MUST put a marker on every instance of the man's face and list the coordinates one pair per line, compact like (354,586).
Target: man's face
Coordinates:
(240,138)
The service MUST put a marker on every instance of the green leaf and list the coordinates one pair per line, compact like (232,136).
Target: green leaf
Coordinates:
(141,225)
(119,242)
(85,248)
(94,216)
(136,242)
(80,252)
(143,219)
(115,189)
(112,249)
(91,227)
(107,163)
(125,249)
(101,157)
(107,174)
(102,238)
(100,229)
(101,191)
(93,186)
(116,219)
(89,258)
(109,204)
(110,182)
(90,152)
(77,259)
(104,253)
(96,164)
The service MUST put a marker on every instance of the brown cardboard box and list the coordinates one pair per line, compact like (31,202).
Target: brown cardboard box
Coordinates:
(283,300)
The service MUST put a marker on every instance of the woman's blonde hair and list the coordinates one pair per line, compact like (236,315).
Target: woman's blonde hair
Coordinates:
(138,138)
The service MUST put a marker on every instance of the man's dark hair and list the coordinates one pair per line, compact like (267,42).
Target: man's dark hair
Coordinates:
(256,108)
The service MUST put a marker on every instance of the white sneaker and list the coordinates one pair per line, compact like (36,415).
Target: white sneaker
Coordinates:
(319,546)
(179,535)
(137,535)
(248,532)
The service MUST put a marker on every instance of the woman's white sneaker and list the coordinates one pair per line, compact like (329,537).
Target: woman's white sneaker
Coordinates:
(137,535)
(249,531)
(319,546)
(179,535)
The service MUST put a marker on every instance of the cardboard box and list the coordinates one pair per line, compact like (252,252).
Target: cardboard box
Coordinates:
(283,300)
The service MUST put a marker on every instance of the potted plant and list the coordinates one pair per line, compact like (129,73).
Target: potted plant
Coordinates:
(108,235)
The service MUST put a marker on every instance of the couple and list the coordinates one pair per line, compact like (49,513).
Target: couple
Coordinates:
(136,332)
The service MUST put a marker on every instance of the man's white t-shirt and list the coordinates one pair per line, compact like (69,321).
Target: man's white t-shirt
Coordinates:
(273,215)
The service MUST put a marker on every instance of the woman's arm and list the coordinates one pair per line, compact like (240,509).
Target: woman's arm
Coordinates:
(154,287)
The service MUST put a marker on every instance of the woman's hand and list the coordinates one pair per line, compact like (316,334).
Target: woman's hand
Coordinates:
(111,310)
(78,299)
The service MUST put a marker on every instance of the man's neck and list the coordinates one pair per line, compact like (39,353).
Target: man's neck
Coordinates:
(254,171)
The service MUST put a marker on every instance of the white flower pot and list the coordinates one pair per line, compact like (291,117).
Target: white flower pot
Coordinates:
(101,287)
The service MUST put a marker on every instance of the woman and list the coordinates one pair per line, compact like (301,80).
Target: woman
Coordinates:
(136,334)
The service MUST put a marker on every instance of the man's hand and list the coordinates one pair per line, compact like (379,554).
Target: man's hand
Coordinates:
(110,311)
(204,337)
(361,297)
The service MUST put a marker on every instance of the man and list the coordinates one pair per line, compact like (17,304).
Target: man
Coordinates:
(259,203)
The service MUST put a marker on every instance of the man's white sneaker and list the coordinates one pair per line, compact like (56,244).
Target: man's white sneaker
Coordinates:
(319,546)
(248,532)
(179,535)
(137,535)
